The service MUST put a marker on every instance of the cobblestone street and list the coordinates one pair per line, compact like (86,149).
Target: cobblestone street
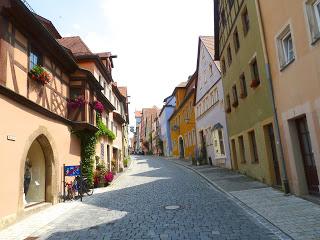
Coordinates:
(134,208)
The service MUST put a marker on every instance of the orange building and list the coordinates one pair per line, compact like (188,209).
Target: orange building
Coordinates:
(182,121)
(46,94)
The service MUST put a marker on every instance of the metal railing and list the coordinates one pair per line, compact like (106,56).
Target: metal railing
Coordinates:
(28,6)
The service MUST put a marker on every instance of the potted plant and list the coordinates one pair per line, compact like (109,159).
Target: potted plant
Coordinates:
(108,177)
(76,102)
(40,75)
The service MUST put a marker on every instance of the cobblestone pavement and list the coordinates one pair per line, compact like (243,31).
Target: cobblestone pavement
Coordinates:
(134,208)
(298,218)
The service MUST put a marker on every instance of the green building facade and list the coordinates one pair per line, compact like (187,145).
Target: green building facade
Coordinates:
(248,105)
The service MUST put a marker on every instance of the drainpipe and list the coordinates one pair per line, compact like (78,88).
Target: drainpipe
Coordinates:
(284,176)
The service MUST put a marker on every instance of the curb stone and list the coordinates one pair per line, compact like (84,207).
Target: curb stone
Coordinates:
(261,219)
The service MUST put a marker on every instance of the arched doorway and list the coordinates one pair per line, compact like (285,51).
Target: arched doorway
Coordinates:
(38,173)
(181,147)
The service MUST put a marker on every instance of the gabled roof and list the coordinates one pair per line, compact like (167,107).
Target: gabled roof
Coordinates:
(208,42)
(49,26)
(76,45)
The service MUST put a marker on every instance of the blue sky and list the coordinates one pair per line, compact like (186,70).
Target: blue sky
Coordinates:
(156,40)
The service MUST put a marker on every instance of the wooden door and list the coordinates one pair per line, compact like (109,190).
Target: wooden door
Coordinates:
(273,149)
(307,155)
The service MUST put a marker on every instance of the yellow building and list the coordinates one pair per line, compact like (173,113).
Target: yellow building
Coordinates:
(182,121)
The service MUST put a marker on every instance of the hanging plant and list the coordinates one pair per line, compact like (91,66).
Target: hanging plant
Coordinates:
(77,102)
(98,106)
(40,75)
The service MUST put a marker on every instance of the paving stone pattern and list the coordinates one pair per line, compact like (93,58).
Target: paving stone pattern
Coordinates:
(134,208)
(294,216)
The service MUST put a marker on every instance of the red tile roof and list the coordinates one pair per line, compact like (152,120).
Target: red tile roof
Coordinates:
(123,91)
(208,42)
(138,114)
(76,45)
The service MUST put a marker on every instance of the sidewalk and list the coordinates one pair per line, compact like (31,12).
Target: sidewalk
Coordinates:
(37,222)
(298,218)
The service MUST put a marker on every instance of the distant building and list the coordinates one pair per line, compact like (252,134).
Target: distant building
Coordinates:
(212,134)
(182,121)
(165,113)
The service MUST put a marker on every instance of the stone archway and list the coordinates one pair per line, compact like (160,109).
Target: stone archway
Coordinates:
(43,138)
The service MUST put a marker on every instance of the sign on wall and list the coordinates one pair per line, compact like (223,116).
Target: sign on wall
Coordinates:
(72,170)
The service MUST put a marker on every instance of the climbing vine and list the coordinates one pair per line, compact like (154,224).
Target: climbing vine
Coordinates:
(103,130)
(88,146)
(88,149)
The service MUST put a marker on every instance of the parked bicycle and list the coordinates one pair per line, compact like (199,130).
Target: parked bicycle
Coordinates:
(85,187)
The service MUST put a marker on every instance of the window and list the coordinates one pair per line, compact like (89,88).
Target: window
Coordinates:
(253,147)
(223,66)
(313,14)
(111,126)
(194,136)
(245,21)
(210,69)
(255,74)
(243,86)
(242,149)
(34,58)
(235,96)
(223,18)
(229,55)
(285,47)
(100,80)
(236,40)
(228,104)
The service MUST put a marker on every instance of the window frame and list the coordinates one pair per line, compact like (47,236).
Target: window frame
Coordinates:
(229,55)
(253,147)
(34,51)
(235,99)
(245,20)
(243,86)
(236,40)
(316,10)
(281,38)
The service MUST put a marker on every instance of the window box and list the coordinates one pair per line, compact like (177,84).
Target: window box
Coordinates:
(40,75)
(254,83)
(76,102)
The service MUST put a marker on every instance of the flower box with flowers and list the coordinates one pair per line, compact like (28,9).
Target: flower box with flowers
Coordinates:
(98,106)
(40,75)
(254,83)
(76,103)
